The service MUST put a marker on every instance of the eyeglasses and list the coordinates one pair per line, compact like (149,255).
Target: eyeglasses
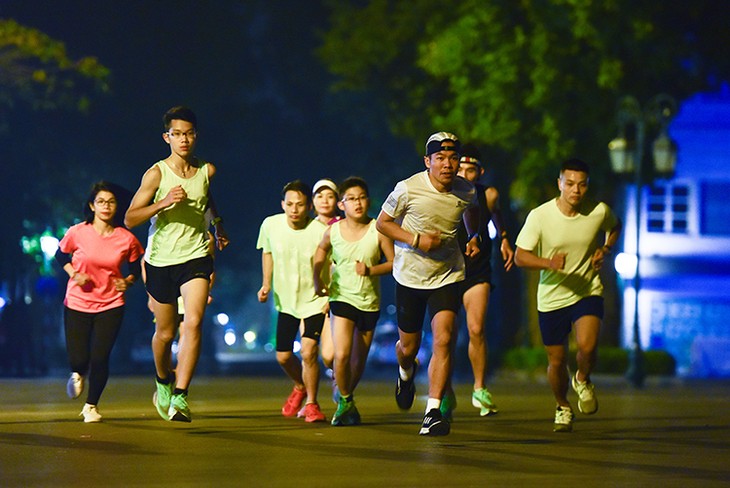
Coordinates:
(191,134)
(351,199)
(101,203)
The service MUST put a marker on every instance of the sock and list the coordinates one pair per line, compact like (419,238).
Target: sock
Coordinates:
(433,403)
(161,381)
(180,391)
(347,399)
(405,374)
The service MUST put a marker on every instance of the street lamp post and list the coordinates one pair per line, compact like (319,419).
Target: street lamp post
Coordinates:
(627,158)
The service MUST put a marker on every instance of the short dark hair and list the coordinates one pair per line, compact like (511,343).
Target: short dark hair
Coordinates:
(574,164)
(351,182)
(297,185)
(179,112)
(121,195)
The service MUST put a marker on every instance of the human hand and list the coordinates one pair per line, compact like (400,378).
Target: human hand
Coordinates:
(361,268)
(221,237)
(598,258)
(472,248)
(508,255)
(263,294)
(175,195)
(429,241)
(557,261)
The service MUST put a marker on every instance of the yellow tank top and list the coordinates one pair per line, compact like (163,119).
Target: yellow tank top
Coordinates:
(178,233)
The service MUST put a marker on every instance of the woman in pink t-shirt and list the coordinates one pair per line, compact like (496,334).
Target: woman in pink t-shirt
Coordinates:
(92,254)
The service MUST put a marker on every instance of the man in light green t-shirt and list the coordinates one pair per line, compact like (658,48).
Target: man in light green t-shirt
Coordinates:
(567,239)
(288,242)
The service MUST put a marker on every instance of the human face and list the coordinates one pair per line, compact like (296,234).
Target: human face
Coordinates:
(573,186)
(296,208)
(355,203)
(442,167)
(470,171)
(181,136)
(325,203)
(104,206)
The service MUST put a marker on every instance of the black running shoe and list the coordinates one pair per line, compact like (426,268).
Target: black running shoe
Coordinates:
(434,423)
(405,390)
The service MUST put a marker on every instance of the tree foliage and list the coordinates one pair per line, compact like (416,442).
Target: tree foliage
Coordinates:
(36,69)
(536,79)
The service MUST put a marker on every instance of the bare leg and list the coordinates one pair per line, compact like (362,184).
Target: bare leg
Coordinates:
(292,366)
(310,367)
(476,300)
(343,331)
(439,368)
(557,373)
(586,335)
(360,350)
(195,299)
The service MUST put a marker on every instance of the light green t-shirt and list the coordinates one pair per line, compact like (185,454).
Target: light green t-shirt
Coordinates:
(293,251)
(362,292)
(179,233)
(548,231)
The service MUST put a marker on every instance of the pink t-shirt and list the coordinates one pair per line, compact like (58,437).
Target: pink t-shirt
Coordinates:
(100,257)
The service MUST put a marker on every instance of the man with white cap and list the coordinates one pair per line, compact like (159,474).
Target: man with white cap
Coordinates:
(422,216)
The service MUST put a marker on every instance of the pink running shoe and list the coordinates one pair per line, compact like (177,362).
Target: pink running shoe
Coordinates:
(291,407)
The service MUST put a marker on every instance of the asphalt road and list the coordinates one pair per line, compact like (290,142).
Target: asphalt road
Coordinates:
(670,433)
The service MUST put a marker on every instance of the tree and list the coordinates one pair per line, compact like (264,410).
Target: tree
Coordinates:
(36,70)
(536,79)
(36,74)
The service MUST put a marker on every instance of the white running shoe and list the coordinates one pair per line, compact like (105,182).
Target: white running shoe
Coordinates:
(563,419)
(90,414)
(75,385)
(587,402)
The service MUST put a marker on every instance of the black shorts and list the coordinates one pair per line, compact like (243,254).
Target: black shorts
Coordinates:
(412,304)
(287,327)
(555,326)
(364,321)
(164,282)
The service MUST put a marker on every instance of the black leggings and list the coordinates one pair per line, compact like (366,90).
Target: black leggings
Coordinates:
(90,338)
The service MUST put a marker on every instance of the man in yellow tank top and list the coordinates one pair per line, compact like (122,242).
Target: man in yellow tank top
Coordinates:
(174,196)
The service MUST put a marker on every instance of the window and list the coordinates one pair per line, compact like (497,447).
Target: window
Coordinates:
(668,208)
(715,209)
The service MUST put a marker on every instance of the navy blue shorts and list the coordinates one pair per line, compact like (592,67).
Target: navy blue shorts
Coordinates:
(412,304)
(555,326)
(364,321)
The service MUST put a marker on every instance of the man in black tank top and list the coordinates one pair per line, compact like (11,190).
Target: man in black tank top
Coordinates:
(476,287)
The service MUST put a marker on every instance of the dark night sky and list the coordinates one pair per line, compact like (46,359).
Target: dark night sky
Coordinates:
(266,115)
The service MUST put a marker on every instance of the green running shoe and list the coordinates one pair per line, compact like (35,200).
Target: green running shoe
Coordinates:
(448,405)
(482,399)
(161,399)
(346,413)
(179,410)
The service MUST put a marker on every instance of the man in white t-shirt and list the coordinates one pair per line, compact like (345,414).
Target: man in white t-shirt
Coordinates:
(288,242)
(567,239)
(422,216)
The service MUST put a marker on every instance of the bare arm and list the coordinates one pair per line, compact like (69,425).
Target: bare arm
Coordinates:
(320,258)
(611,239)
(142,208)
(528,259)
(267,270)
(492,196)
(386,249)
(387,226)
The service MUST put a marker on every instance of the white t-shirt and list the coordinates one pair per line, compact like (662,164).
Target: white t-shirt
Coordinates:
(420,208)
(547,231)
(292,251)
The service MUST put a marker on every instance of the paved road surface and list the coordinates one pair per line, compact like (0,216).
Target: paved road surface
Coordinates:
(671,433)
